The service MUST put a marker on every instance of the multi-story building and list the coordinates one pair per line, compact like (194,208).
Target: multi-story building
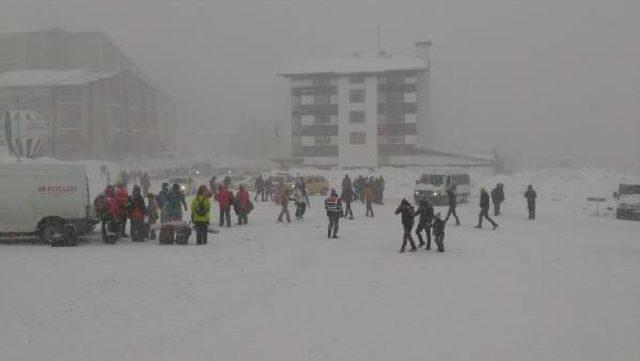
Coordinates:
(360,111)
(96,101)
(366,112)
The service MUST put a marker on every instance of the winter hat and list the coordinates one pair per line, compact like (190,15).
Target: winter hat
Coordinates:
(165,185)
(334,192)
(176,187)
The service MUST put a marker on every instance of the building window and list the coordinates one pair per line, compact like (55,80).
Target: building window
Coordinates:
(357,138)
(356,96)
(356,79)
(306,99)
(322,119)
(321,98)
(356,116)
(321,82)
(396,139)
(323,140)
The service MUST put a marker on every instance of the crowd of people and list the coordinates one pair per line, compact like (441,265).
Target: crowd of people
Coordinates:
(115,206)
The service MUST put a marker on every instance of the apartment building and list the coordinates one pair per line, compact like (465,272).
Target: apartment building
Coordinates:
(361,111)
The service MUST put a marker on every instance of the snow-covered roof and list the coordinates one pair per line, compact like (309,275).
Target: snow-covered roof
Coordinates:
(358,64)
(36,78)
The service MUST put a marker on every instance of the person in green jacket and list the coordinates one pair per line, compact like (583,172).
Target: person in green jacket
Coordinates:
(200,209)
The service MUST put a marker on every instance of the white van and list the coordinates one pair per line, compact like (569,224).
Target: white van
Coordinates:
(433,187)
(50,200)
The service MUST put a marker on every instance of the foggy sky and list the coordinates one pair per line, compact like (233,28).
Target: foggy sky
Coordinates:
(541,80)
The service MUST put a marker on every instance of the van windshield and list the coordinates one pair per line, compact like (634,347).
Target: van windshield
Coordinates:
(433,179)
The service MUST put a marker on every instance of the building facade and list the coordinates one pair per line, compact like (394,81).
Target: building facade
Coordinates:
(360,111)
(96,101)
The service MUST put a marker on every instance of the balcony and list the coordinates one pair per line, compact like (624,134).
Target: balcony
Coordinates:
(316,151)
(397,129)
(396,108)
(397,88)
(317,129)
(316,109)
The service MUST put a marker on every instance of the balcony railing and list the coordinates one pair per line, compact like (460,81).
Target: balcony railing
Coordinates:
(397,129)
(313,109)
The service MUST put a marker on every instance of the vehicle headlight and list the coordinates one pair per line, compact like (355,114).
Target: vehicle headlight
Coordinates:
(416,193)
(435,193)
(183,187)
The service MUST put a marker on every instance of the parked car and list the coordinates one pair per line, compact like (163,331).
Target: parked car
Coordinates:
(49,200)
(187,185)
(628,201)
(316,185)
(281,178)
(433,187)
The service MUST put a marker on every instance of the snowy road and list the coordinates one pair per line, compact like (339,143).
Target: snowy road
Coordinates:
(564,287)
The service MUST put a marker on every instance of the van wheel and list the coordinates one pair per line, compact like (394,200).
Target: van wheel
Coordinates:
(52,233)
(70,236)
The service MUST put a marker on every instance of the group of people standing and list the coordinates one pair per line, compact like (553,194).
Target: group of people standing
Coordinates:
(369,191)
(427,222)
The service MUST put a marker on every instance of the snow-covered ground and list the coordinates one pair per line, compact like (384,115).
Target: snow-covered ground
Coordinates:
(563,287)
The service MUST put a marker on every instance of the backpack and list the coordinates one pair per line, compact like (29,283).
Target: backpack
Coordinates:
(100,205)
(201,209)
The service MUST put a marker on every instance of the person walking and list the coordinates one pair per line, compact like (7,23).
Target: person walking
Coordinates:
(347,197)
(453,202)
(112,214)
(425,214)
(145,183)
(333,206)
(200,212)
(484,209)
(259,185)
(225,199)
(242,205)
(497,197)
(153,214)
(283,199)
(268,191)
(367,194)
(438,232)
(531,195)
(136,211)
(300,203)
(161,199)
(406,210)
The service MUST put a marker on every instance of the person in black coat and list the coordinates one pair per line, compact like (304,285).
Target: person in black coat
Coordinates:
(407,212)
(438,232)
(497,196)
(531,195)
(347,197)
(425,214)
(453,202)
(259,185)
(484,209)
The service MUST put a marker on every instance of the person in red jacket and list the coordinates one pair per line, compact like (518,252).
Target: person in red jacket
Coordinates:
(242,205)
(113,212)
(225,199)
(136,210)
(122,195)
